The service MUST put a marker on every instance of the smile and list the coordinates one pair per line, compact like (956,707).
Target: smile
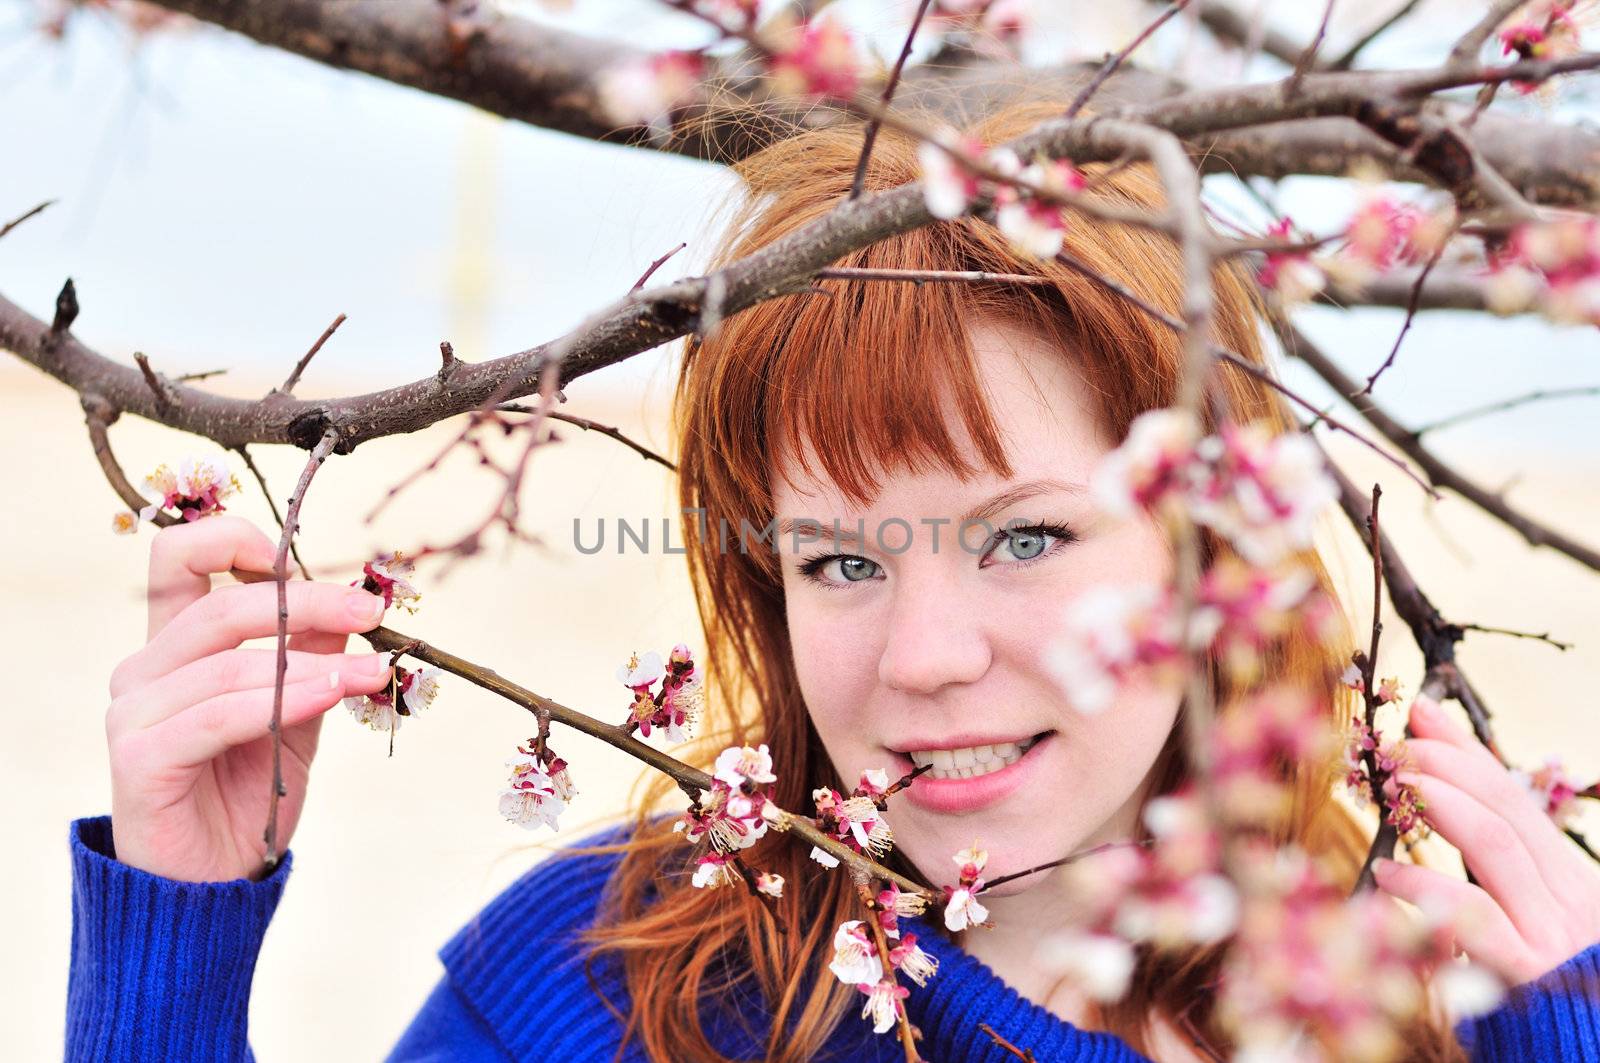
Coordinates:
(970,762)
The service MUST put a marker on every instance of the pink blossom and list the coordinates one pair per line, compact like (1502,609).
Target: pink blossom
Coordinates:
(730,819)
(738,764)
(408,693)
(1263,491)
(1292,274)
(962,907)
(647,90)
(855,959)
(1108,634)
(1554,789)
(539,790)
(883,1004)
(641,672)
(1151,465)
(676,705)
(1379,235)
(948,187)
(892,903)
(910,960)
(1033,225)
(821,62)
(385,576)
(196,489)
(713,870)
(1552,265)
(769,884)
(856,821)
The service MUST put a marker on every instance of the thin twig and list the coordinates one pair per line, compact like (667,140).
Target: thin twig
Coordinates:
(19,219)
(1467,47)
(858,184)
(98,416)
(590,426)
(1411,313)
(287,387)
(1308,57)
(158,387)
(272,504)
(1113,62)
(1070,858)
(1557,643)
(650,271)
(1348,59)
(1503,405)
(1024,1054)
(1383,843)
(280,573)
(944,276)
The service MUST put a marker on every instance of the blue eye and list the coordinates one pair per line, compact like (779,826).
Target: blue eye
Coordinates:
(851,569)
(1030,542)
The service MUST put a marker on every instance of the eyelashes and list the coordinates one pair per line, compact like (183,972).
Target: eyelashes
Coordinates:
(1059,535)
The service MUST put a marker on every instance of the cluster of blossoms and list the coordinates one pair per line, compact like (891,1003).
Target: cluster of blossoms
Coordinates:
(1404,805)
(1544,29)
(195,490)
(540,787)
(818,59)
(1308,963)
(731,816)
(674,707)
(647,90)
(1555,790)
(386,576)
(1034,225)
(1384,232)
(1281,724)
(1112,633)
(856,961)
(407,694)
(1261,491)
(1169,895)
(1552,266)
(857,820)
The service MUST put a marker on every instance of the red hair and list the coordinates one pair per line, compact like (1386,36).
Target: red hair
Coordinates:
(852,370)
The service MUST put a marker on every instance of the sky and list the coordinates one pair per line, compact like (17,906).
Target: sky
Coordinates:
(220,203)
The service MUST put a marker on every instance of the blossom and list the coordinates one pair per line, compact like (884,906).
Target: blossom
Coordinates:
(883,1004)
(1379,235)
(642,672)
(1098,964)
(646,90)
(1555,791)
(1108,632)
(385,576)
(676,705)
(855,960)
(730,819)
(1292,274)
(1553,266)
(971,860)
(196,489)
(737,764)
(539,790)
(948,186)
(874,783)
(821,61)
(892,903)
(857,821)
(1276,724)
(962,908)
(1353,678)
(1034,225)
(713,870)
(823,857)
(1150,464)
(769,884)
(910,960)
(1263,491)
(408,693)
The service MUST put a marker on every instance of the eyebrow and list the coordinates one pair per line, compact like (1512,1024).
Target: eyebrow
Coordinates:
(982,512)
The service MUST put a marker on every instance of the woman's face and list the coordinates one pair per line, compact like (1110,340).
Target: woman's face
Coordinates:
(916,647)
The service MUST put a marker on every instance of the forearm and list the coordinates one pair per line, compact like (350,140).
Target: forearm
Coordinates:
(1556,1016)
(160,969)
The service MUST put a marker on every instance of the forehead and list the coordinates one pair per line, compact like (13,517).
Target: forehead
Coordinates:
(1045,418)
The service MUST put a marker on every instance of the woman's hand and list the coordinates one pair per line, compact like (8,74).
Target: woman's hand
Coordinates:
(1539,902)
(191,757)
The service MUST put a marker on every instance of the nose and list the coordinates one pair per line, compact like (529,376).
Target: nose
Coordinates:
(935,637)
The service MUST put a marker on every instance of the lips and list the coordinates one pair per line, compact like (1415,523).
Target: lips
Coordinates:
(954,786)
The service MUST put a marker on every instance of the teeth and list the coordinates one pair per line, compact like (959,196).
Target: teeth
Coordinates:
(971,762)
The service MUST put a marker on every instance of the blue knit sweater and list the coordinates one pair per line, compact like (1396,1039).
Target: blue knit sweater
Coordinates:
(161,970)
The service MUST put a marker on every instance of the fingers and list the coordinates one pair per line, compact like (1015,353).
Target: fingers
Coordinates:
(241,669)
(1476,771)
(1482,928)
(210,728)
(229,615)
(183,557)
(1491,847)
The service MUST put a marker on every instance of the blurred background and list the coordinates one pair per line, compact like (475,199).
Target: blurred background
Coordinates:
(220,203)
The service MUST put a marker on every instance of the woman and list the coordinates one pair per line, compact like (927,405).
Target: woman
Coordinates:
(885,408)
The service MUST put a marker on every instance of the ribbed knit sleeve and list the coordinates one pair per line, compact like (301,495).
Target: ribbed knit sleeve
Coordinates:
(1555,1016)
(161,970)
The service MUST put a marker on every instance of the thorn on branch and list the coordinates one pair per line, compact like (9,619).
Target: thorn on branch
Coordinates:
(158,385)
(657,264)
(1024,1054)
(448,362)
(66,309)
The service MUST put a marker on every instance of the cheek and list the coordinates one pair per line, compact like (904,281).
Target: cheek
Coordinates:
(837,668)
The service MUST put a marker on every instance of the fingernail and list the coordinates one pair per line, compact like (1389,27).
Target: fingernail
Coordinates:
(364,606)
(1382,866)
(1425,707)
(374,664)
(333,680)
